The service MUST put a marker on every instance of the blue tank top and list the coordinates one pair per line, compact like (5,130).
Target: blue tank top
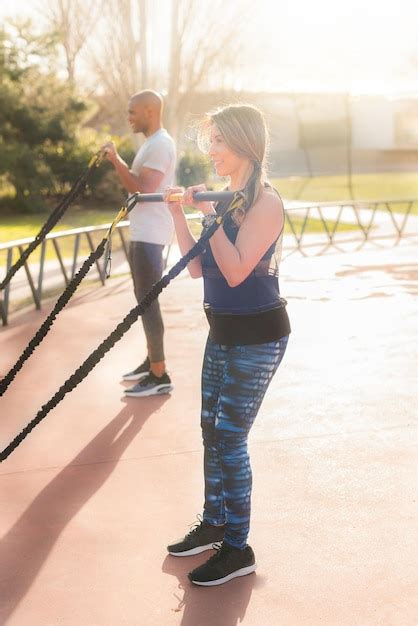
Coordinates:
(259,292)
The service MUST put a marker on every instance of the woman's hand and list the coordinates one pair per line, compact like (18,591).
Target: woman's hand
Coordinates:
(205,207)
(175,208)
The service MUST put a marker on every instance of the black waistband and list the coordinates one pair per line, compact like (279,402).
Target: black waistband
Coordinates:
(240,330)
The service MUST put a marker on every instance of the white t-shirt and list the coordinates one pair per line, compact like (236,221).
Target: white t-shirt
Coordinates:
(151,221)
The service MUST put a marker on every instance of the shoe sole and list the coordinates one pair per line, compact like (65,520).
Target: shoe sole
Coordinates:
(193,551)
(220,581)
(135,376)
(155,391)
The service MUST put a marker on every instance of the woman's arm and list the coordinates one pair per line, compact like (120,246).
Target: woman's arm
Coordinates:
(185,238)
(186,242)
(260,228)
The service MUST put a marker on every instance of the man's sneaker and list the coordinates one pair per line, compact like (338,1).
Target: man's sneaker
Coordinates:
(151,385)
(226,564)
(200,538)
(140,372)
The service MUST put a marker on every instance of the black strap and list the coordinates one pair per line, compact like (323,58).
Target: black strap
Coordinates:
(46,326)
(94,358)
(53,219)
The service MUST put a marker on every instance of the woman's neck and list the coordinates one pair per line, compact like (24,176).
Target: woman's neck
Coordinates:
(239,178)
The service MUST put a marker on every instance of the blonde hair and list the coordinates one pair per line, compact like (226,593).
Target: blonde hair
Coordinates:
(244,130)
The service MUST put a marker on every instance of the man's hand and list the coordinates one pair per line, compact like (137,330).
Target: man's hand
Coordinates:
(110,151)
(146,181)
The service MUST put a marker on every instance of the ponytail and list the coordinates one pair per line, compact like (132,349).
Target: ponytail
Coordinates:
(250,191)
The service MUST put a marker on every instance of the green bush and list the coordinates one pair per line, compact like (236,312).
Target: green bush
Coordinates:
(193,169)
(44,143)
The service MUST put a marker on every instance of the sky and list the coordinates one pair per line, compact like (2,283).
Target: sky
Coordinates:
(360,46)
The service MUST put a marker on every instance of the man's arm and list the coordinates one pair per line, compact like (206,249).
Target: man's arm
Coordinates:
(147,181)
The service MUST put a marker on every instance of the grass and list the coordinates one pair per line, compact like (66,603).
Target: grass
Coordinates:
(13,227)
(400,185)
(312,226)
(384,186)
(19,226)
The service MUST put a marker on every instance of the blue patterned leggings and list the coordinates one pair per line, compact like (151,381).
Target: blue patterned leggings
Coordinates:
(234,381)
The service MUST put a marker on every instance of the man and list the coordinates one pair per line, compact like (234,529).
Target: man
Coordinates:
(151,228)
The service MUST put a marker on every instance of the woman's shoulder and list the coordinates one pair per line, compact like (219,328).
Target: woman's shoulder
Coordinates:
(268,188)
(269,200)
(266,213)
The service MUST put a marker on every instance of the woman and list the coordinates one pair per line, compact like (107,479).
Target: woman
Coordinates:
(248,335)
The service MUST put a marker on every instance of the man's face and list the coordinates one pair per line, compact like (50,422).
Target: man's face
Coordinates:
(137,117)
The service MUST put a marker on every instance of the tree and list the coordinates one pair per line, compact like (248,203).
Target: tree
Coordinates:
(39,116)
(199,51)
(193,168)
(118,60)
(72,21)
(206,41)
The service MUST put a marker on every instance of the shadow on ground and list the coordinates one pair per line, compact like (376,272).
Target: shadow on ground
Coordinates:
(25,548)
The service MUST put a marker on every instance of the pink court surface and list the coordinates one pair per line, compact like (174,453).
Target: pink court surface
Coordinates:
(93,495)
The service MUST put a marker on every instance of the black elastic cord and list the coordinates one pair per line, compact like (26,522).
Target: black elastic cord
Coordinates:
(46,325)
(94,358)
(52,220)
(64,298)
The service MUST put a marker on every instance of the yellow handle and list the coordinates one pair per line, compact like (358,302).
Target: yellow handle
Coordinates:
(175,197)
(93,160)
(120,216)
(97,158)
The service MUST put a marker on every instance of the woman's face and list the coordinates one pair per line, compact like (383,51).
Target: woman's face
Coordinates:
(225,161)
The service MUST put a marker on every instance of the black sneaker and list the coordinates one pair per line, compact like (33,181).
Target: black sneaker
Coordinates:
(151,385)
(140,372)
(226,564)
(200,538)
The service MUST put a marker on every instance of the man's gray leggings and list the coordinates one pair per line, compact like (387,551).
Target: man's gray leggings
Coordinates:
(147,268)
